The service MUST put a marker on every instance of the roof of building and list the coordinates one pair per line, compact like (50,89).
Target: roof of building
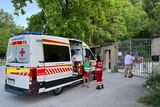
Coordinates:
(106,44)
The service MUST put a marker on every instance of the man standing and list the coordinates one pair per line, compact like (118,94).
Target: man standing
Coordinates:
(128,61)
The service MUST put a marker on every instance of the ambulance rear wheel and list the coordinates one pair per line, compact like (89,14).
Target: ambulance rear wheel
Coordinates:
(57,91)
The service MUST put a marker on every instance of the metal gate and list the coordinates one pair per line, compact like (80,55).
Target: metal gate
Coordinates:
(141,50)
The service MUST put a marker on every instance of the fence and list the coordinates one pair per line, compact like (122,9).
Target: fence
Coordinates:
(141,50)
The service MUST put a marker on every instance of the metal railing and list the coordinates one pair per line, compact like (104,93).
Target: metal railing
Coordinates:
(141,50)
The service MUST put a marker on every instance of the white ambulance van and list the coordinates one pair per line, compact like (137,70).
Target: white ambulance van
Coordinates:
(38,63)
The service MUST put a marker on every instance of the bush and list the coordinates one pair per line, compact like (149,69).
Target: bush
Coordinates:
(153,80)
(153,91)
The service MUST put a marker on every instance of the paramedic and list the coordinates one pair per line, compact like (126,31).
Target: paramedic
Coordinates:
(98,72)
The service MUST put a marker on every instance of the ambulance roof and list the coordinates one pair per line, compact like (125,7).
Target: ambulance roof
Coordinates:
(39,33)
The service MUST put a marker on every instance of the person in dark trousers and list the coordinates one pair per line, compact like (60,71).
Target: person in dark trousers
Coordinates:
(98,72)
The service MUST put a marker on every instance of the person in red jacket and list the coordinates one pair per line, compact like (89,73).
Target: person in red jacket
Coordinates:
(98,72)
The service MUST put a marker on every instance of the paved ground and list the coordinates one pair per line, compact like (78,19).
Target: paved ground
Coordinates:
(118,92)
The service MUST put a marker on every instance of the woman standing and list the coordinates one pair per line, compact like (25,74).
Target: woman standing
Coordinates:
(86,75)
(98,72)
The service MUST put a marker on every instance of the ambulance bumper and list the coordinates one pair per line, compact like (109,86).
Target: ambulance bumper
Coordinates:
(19,91)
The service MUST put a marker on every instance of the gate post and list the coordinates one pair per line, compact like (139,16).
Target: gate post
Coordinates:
(116,57)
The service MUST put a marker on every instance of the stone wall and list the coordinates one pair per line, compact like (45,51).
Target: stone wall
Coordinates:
(113,48)
(155,50)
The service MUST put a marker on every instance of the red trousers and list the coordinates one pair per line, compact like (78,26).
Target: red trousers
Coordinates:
(99,77)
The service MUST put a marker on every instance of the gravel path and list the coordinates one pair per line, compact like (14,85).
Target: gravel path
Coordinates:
(118,92)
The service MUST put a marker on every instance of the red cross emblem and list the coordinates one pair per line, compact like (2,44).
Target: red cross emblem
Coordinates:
(100,64)
(22,52)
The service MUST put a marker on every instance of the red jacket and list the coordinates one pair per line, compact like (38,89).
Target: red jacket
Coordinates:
(99,66)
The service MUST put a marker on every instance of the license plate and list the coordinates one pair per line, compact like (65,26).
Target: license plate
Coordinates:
(11,81)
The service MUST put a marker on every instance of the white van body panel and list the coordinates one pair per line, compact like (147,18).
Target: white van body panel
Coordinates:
(18,81)
(50,74)
(14,75)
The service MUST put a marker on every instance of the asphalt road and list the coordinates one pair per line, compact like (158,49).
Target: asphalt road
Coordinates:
(118,92)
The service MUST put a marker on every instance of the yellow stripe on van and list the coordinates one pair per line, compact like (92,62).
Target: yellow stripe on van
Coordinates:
(9,70)
(39,43)
(64,67)
(19,45)
(55,44)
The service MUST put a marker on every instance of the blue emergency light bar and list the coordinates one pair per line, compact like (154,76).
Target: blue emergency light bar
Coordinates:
(25,33)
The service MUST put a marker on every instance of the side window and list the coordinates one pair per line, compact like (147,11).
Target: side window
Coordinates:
(88,53)
(54,53)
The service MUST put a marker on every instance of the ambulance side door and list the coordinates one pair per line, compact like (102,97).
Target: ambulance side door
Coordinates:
(58,65)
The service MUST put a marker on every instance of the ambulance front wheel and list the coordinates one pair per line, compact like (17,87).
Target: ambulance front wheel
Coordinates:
(57,91)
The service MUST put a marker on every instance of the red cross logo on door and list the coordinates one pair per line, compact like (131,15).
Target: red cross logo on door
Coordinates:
(22,52)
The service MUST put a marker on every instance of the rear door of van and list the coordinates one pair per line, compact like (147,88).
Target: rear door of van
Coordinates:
(18,59)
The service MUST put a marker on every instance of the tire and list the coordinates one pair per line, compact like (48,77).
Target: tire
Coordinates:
(57,91)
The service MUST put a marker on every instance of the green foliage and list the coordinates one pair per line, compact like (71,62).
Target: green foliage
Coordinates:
(153,80)
(142,51)
(152,7)
(19,5)
(149,5)
(95,22)
(149,100)
(136,18)
(7,27)
(71,18)
(38,23)
(155,21)
(153,93)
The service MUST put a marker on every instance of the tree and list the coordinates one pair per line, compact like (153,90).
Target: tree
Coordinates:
(7,27)
(136,18)
(92,21)
(155,21)
(149,5)
(70,18)
(38,23)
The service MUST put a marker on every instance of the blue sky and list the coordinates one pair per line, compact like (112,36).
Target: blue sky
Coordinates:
(31,9)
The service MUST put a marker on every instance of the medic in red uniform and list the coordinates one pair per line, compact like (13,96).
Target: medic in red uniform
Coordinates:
(98,72)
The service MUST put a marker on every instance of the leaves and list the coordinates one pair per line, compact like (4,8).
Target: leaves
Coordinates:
(7,27)
(95,22)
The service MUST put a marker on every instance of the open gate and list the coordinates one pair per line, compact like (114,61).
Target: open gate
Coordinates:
(141,50)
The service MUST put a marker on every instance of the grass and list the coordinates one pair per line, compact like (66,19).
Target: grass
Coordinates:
(152,96)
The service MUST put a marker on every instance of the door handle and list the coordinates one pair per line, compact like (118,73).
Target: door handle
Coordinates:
(41,61)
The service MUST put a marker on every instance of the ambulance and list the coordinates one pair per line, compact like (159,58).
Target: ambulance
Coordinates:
(38,63)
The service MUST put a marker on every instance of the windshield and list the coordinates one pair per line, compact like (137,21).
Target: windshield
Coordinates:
(89,53)
(18,54)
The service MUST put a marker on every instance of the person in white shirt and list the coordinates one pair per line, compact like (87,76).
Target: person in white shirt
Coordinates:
(128,61)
